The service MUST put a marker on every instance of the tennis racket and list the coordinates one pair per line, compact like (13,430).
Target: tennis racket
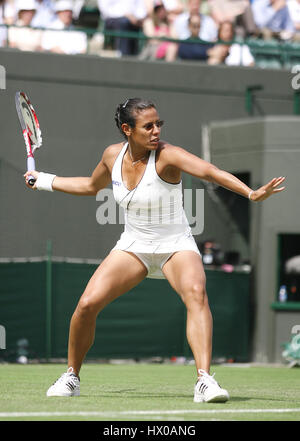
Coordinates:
(30,129)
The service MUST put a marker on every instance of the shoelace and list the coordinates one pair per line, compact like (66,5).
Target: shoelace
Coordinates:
(69,373)
(60,379)
(204,377)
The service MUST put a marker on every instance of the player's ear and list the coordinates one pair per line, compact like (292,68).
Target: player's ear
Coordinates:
(126,129)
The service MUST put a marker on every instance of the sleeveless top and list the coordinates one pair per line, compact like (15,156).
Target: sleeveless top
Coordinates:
(153,210)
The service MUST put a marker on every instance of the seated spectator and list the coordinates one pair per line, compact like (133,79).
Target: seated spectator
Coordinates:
(65,40)
(273,19)
(7,12)
(208,30)
(6,17)
(25,39)
(173,8)
(156,25)
(231,54)
(294,10)
(239,12)
(126,16)
(193,51)
(44,15)
(79,4)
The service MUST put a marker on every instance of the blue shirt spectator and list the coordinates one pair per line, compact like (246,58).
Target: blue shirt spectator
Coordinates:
(208,30)
(195,50)
(44,15)
(273,15)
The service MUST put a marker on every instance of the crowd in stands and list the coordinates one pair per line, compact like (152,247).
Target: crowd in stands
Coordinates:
(41,25)
(213,31)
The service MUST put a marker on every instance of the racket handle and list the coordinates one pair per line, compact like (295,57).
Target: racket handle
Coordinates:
(31,166)
(31,180)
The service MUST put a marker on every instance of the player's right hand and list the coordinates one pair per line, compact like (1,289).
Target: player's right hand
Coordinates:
(33,173)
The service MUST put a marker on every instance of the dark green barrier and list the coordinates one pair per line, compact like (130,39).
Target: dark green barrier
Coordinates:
(23,305)
(148,321)
(229,299)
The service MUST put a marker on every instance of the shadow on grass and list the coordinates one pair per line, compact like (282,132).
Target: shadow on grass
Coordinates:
(237,399)
(131,394)
(257,398)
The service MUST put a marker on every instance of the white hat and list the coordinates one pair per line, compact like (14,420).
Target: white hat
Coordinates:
(26,5)
(63,5)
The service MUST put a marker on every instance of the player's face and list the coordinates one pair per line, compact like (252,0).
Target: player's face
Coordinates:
(146,132)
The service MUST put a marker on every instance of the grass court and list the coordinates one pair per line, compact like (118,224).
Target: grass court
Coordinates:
(148,392)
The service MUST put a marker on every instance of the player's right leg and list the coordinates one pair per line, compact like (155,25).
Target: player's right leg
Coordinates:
(118,273)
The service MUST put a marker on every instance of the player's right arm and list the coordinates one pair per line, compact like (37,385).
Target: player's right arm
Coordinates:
(83,186)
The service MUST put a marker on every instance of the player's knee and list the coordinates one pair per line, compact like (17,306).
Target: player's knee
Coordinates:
(195,294)
(86,307)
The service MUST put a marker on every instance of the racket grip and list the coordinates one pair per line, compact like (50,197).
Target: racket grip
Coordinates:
(31,166)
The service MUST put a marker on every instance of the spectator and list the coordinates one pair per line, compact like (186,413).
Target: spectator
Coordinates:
(65,40)
(6,17)
(193,51)
(272,17)
(294,10)
(78,5)
(44,15)
(230,54)
(25,39)
(7,12)
(126,16)
(238,12)
(173,8)
(157,25)
(208,30)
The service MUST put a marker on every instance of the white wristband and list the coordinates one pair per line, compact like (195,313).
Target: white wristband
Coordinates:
(249,195)
(44,181)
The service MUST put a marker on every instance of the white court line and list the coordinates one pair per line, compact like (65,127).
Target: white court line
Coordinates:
(145,412)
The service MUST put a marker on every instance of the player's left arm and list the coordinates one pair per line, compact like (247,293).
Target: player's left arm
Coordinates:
(195,166)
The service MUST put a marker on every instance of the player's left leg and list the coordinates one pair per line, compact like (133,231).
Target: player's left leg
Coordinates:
(185,272)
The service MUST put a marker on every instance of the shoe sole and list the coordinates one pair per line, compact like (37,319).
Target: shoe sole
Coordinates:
(75,394)
(214,399)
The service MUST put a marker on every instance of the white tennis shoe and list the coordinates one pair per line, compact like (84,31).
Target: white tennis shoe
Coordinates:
(208,390)
(67,385)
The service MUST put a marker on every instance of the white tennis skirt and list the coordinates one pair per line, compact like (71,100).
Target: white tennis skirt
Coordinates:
(154,254)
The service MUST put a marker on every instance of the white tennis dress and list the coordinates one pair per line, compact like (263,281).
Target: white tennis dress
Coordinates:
(156,225)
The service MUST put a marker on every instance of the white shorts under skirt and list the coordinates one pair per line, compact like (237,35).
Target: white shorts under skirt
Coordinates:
(153,254)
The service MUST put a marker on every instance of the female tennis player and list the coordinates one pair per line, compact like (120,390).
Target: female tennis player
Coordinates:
(146,176)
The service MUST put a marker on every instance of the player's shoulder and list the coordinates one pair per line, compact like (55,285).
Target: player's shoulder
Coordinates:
(111,152)
(165,149)
(110,155)
(113,149)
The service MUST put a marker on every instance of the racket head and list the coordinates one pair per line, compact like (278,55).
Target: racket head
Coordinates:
(29,121)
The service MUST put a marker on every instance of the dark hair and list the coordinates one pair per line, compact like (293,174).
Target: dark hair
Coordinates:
(227,22)
(126,112)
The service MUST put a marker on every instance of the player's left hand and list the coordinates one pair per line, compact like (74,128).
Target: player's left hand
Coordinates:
(268,190)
